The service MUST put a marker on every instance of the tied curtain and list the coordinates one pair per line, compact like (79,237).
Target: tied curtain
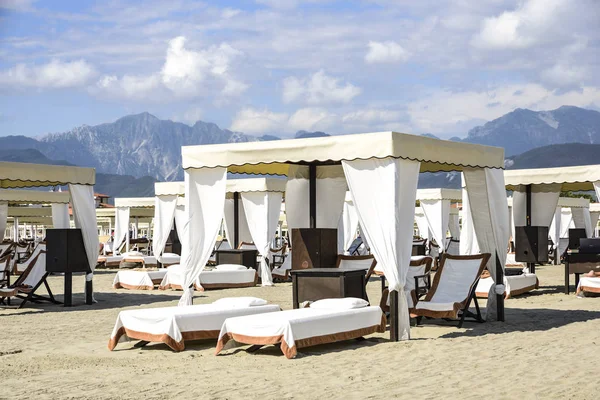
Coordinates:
(454,226)
(331,190)
(84,215)
(180,222)
(121,228)
(204,202)
(164,213)
(60,216)
(468,239)
(489,210)
(348,226)
(243,229)
(384,192)
(3,219)
(544,200)
(437,214)
(582,219)
(555,227)
(262,211)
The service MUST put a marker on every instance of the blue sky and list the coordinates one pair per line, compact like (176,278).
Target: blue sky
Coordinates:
(277,66)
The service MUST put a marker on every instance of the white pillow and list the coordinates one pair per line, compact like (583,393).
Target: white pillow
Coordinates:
(240,302)
(347,303)
(133,254)
(230,267)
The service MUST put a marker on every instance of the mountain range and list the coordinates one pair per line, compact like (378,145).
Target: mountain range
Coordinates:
(147,149)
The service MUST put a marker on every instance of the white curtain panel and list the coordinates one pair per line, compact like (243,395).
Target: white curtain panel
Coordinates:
(566,222)
(331,190)
(511,222)
(384,193)
(597,189)
(121,226)
(423,226)
(594,216)
(3,219)
(555,227)
(543,204)
(437,213)
(84,215)
(348,227)
(60,216)
(204,203)
(262,211)
(582,219)
(164,213)
(454,226)
(180,221)
(468,238)
(489,209)
(243,229)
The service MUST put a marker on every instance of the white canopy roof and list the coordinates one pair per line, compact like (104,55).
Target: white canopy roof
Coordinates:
(33,197)
(40,220)
(572,178)
(13,175)
(169,188)
(134,202)
(595,207)
(29,212)
(439,194)
(273,157)
(566,202)
(233,185)
(134,212)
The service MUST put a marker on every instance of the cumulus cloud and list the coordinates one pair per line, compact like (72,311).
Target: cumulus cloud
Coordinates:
(521,28)
(230,12)
(17,5)
(450,112)
(251,120)
(54,75)
(386,52)
(319,88)
(564,76)
(185,74)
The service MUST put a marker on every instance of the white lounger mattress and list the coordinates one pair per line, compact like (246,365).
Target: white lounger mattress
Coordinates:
(588,284)
(515,285)
(174,325)
(302,327)
(138,280)
(211,279)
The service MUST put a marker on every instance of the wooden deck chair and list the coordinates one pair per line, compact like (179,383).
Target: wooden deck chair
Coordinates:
(453,246)
(278,256)
(5,270)
(29,281)
(6,248)
(367,263)
(453,289)
(354,246)
(247,246)
(418,280)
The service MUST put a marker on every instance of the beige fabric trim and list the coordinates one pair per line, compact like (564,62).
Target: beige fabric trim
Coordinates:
(164,338)
(121,285)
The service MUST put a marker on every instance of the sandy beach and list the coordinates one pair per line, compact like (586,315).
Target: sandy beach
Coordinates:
(547,348)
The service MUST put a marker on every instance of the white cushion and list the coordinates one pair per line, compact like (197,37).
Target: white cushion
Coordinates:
(346,303)
(230,267)
(132,254)
(239,302)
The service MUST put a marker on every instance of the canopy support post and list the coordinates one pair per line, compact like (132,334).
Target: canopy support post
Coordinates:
(531,266)
(236,220)
(312,193)
(499,297)
(393,315)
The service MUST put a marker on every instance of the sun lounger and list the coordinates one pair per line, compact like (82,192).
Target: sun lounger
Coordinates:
(453,289)
(19,268)
(515,284)
(282,272)
(6,248)
(110,261)
(303,327)
(222,277)
(418,281)
(137,279)
(168,259)
(176,325)
(588,284)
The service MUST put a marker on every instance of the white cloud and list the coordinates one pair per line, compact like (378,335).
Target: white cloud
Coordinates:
(444,111)
(564,76)
(386,52)
(53,75)
(128,86)
(317,89)
(190,116)
(521,28)
(230,12)
(312,119)
(253,121)
(17,5)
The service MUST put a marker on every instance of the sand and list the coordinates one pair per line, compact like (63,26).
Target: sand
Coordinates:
(547,348)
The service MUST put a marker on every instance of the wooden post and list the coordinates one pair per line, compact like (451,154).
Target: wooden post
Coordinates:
(393,315)
(312,194)
(499,297)
(531,266)
(236,220)
(89,289)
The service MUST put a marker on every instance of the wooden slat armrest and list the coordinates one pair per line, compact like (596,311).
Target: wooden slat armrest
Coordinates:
(422,290)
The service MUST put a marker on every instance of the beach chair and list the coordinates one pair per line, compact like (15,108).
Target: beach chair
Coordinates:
(453,289)
(452,246)
(6,248)
(247,246)
(19,265)
(353,250)
(278,256)
(282,272)
(5,270)
(418,281)
(367,263)
(29,281)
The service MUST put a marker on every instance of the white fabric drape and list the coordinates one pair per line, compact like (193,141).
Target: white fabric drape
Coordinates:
(468,238)
(204,202)
(437,213)
(331,190)
(84,215)
(511,222)
(555,227)
(60,216)
(180,221)
(384,193)
(489,210)
(164,213)
(243,229)
(3,219)
(582,219)
(597,189)
(423,226)
(566,222)
(121,226)
(348,227)
(454,226)
(262,212)
(544,200)
(594,216)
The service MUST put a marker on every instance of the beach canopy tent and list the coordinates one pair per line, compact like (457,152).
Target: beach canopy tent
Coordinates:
(435,204)
(81,189)
(381,171)
(536,193)
(348,225)
(251,212)
(108,216)
(123,207)
(11,198)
